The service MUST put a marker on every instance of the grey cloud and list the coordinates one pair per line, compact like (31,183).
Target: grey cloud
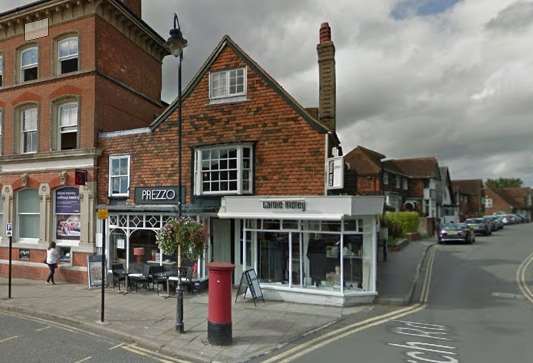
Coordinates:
(515,17)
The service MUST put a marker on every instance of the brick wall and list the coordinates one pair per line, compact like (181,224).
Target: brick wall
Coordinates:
(369,185)
(498,203)
(289,153)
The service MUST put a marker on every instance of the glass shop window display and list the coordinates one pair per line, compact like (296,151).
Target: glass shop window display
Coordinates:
(322,266)
(353,261)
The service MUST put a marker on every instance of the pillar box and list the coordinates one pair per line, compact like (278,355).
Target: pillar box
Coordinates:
(219,330)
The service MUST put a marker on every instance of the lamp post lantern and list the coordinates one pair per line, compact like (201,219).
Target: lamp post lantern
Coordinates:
(175,44)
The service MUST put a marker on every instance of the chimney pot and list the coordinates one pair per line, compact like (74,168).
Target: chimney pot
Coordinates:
(325,33)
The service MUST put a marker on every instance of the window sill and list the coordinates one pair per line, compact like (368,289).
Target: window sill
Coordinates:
(118,197)
(227,100)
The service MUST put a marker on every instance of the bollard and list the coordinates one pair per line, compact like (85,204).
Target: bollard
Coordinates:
(219,331)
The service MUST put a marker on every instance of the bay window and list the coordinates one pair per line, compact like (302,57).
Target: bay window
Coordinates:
(29,64)
(28,214)
(119,176)
(67,55)
(28,123)
(228,83)
(224,170)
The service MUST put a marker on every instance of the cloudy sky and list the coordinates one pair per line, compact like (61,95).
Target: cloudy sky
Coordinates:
(445,78)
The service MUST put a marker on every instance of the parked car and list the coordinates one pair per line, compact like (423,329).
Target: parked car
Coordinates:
(491,222)
(456,232)
(479,226)
(495,221)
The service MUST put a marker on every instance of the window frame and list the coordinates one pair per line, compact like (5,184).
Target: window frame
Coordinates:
(405,184)
(227,87)
(111,176)
(385,178)
(2,78)
(22,68)
(22,132)
(198,178)
(1,132)
(59,131)
(59,59)
(31,240)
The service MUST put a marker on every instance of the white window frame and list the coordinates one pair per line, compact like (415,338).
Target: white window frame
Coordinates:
(23,131)
(28,66)
(68,57)
(60,132)
(398,181)
(110,189)
(198,181)
(488,203)
(385,178)
(405,184)
(18,214)
(226,73)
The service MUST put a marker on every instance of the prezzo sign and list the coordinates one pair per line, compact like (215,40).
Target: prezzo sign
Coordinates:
(157,195)
(284,204)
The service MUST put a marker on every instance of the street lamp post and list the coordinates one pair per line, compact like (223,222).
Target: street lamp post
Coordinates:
(175,45)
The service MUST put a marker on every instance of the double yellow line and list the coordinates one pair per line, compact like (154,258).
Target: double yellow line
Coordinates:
(330,337)
(521,278)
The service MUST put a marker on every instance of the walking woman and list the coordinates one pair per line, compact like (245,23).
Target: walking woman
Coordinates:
(51,260)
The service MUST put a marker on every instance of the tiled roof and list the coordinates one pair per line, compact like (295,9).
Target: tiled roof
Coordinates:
(516,196)
(364,161)
(468,186)
(417,167)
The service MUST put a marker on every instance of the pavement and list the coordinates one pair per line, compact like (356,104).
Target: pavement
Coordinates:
(149,320)
(397,278)
(474,307)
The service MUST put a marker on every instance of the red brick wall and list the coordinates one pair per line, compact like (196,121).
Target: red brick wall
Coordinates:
(368,185)
(289,153)
(36,178)
(498,203)
(120,58)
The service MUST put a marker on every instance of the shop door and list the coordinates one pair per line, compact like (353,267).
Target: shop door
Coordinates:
(222,240)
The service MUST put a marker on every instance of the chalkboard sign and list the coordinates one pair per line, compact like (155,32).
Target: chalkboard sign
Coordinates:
(250,282)
(94,269)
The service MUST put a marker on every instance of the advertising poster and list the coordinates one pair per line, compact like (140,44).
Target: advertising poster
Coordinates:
(68,214)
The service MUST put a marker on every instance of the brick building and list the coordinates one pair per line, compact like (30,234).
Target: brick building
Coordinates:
(470,196)
(509,200)
(254,172)
(68,70)
(368,174)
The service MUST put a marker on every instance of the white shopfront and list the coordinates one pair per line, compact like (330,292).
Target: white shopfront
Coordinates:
(317,250)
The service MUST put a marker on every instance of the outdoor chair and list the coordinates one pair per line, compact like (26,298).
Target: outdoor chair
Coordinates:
(118,274)
(157,277)
(142,278)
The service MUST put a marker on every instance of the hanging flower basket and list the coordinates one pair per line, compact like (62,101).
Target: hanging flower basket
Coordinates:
(183,236)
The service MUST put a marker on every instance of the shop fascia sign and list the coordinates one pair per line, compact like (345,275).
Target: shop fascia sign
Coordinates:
(284,204)
(157,195)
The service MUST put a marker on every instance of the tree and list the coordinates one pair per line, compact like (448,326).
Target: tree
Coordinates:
(504,183)
(184,236)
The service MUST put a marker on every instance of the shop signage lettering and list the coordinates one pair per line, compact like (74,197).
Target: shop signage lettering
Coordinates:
(284,204)
(157,195)
(68,201)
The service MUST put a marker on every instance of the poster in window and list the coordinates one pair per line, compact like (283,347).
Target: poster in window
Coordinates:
(68,201)
(68,227)
(67,214)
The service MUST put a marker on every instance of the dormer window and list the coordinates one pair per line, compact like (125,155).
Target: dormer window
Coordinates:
(68,55)
(29,64)
(229,84)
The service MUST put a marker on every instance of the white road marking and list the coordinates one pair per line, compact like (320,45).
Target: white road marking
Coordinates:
(117,346)
(134,348)
(43,329)
(521,278)
(8,339)
(84,359)
(508,295)
(328,338)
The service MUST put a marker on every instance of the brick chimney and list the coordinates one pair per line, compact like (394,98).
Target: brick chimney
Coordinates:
(326,73)
(135,6)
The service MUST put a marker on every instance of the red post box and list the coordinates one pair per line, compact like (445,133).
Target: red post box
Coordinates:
(219,330)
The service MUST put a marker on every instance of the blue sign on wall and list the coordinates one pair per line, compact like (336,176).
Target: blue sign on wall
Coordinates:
(67,201)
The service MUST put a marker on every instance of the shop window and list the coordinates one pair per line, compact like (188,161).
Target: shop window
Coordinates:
(68,55)
(321,262)
(224,170)
(67,214)
(29,64)
(68,126)
(28,129)
(1,70)
(28,214)
(352,261)
(119,176)
(226,84)
(353,225)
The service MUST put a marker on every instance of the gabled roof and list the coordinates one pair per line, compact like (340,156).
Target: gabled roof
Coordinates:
(468,186)
(417,167)
(226,41)
(364,161)
(506,198)
(517,197)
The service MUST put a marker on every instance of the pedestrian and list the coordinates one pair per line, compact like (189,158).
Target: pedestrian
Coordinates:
(51,260)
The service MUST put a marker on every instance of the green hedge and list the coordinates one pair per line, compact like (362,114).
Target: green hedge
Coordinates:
(401,223)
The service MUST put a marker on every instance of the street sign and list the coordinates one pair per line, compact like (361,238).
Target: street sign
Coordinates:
(9,230)
(102,214)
